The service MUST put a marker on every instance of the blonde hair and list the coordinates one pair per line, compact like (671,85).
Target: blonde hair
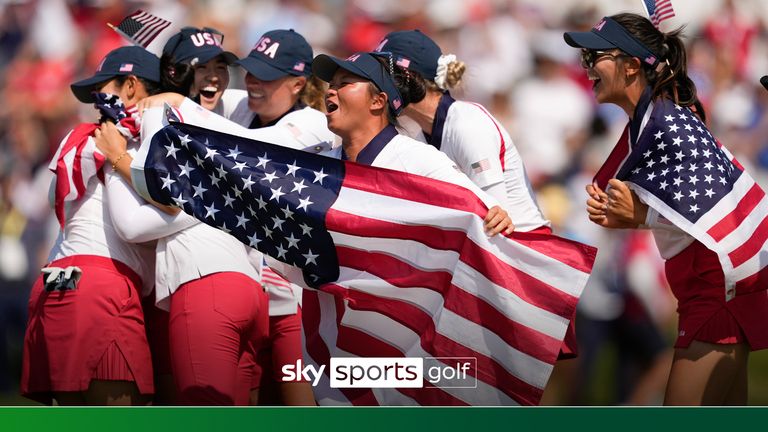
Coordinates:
(313,93)
(455,73)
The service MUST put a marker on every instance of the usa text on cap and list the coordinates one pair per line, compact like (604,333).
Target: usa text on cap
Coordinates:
(279,53)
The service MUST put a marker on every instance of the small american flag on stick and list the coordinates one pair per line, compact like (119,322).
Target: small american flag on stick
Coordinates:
(658,10)
(141,28)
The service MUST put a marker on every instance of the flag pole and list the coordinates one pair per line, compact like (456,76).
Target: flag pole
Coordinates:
(120,32)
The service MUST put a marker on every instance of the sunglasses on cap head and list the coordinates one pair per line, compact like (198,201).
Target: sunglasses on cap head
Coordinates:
(590,57)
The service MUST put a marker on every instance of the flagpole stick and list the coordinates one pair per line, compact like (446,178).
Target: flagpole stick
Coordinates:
(111,26)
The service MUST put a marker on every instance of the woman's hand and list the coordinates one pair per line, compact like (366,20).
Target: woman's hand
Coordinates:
(173,99)
(496,221)
(110,141)
(619,207)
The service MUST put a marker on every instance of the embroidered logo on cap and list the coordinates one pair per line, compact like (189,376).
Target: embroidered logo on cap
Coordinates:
(299,67)
(126,67)
(403,62)
(599,26)
(353,57)
(381,45)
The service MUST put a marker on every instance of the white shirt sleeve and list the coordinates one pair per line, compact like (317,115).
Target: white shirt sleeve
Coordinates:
(134,219)
(474,143)
(425,160)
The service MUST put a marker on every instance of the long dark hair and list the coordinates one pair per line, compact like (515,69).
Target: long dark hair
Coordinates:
(176,77)
(671,80)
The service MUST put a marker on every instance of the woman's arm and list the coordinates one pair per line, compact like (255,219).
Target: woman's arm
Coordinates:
(134,219)
(114,146)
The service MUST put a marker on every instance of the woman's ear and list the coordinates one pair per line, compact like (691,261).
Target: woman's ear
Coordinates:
(298,84)
(632,68)
(379,101)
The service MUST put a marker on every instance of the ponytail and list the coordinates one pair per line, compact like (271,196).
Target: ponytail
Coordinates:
(176,77)
(670,77)
(453,74)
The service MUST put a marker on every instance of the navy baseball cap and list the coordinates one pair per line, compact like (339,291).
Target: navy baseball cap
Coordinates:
(364,65)
(412,50)
(609,34)
(279,53)
(129,60)
(192,45)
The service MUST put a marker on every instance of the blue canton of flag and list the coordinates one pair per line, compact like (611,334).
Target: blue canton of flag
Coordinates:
(110,107)
(275,202)
(681,164)
(680,170)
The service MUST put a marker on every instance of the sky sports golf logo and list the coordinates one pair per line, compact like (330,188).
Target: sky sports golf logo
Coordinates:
(388,372)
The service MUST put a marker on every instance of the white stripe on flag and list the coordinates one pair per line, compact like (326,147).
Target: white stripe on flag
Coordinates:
(465,277)
(537,265)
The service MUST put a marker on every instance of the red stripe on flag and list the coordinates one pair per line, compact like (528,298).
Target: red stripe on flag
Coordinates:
(488,370)
(611,166)
(464,304)
(752,246)
(399,184)
(318,350)
(732,220)
(558,248)
(366,345)
(525,286)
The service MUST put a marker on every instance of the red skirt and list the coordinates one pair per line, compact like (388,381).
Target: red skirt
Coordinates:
(93,332)
(696,279)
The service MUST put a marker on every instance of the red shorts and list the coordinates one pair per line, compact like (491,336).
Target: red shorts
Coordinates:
(93,332)
(283,347)
(216,325)
(696,279)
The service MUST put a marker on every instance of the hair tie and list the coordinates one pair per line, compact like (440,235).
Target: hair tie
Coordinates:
(442,70)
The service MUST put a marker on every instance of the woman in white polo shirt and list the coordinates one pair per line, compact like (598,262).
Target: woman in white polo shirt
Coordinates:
(85,342)
(466,132)
(218,311)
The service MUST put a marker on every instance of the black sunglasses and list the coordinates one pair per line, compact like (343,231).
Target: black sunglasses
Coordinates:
(590,57)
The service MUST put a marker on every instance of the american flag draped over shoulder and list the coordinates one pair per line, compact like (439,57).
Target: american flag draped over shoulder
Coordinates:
(141,28)
(400,262)
(658,10)
(679,169)
(77,159)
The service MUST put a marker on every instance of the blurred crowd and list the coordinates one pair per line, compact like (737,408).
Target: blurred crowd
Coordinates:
(518,66)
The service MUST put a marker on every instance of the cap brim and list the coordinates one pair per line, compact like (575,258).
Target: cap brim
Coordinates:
(325,66)
(260,69)
(205,57)
(588,40)
(83,89)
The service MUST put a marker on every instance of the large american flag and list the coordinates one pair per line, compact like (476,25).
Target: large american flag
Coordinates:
(679,169)
(400,262)
(77,159)
(141,28)
(658,10)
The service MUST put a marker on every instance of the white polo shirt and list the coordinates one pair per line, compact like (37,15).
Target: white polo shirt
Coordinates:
(483,150)
(88,230)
